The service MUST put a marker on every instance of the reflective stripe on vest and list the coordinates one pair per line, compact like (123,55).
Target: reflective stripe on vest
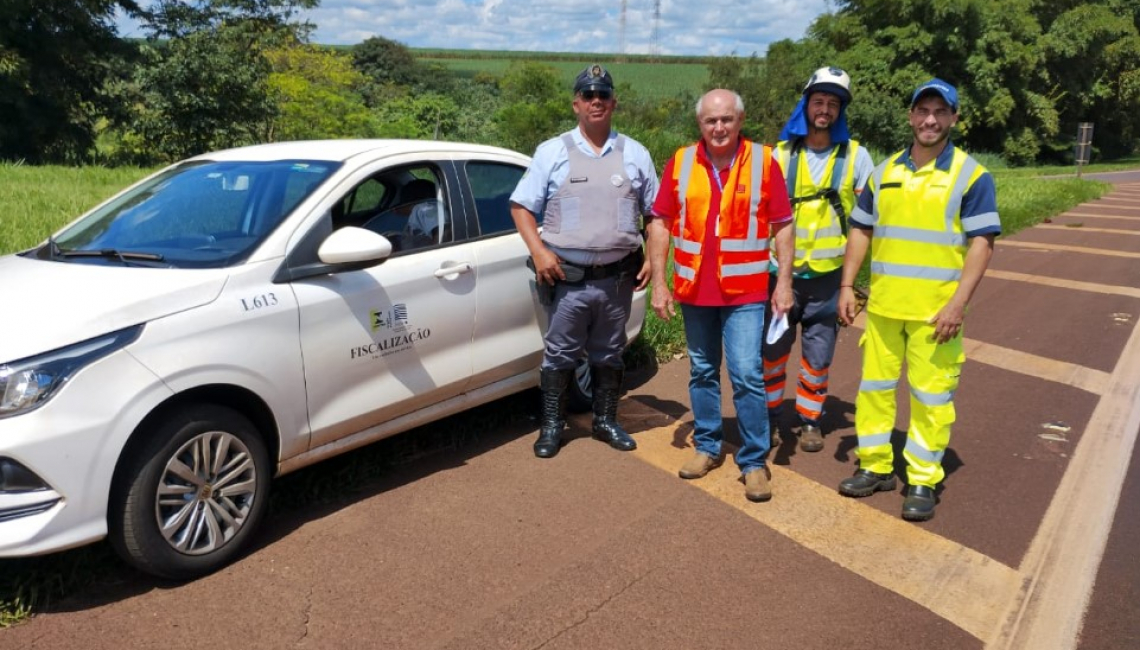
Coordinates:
(820,234)
(743,261)
(918,247)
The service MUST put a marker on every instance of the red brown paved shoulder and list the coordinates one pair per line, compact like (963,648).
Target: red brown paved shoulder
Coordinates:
(494,548)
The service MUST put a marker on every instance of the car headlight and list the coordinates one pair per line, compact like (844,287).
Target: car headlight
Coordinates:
(27,384)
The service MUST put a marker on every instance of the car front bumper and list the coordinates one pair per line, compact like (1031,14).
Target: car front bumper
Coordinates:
(72,445)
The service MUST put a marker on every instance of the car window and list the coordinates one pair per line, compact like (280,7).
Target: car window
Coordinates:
(491,187)
(407,205)
(203,214)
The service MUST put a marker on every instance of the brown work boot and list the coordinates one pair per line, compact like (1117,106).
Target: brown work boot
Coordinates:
(774,433)
(811,438)
(698,466)
(757,485)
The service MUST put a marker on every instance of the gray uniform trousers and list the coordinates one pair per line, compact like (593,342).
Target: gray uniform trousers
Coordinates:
(589,315)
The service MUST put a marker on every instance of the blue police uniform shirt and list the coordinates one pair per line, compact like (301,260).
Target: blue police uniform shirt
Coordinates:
(550,167)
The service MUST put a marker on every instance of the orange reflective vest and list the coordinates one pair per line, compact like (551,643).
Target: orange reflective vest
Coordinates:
(742,265)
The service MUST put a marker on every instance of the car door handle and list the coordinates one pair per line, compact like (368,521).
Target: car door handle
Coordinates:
(452,271)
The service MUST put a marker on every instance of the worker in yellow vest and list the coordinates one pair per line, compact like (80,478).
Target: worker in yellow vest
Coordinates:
(929,218)
(824,170)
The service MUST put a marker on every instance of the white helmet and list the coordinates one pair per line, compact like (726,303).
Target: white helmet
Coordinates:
(830,80)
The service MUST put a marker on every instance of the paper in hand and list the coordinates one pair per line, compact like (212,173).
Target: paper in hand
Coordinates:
(777,328)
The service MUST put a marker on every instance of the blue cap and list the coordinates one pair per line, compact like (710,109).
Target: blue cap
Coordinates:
(948,93)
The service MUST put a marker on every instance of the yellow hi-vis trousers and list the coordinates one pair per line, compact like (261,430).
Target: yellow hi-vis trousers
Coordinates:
(932,372)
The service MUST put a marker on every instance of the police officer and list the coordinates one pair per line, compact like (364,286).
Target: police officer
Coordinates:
(592,187)
(931,210)
(825,170)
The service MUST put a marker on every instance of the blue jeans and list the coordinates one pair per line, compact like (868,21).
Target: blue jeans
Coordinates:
(739,332)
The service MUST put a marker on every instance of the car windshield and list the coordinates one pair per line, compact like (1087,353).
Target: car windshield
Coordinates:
(197,215)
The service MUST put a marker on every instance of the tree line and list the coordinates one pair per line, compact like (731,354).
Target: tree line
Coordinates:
(212,74)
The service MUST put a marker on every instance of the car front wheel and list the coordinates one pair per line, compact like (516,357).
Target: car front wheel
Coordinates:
(192,494)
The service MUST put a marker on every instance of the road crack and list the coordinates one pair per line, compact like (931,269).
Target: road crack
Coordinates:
(308,613)
(595,609)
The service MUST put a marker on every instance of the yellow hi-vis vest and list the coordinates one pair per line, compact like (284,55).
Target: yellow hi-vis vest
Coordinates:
(821,234)
(918,246)
(742,266)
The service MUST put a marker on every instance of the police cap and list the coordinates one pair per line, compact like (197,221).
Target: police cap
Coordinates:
(594,77)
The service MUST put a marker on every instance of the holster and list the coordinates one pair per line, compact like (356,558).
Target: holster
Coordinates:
(544,291)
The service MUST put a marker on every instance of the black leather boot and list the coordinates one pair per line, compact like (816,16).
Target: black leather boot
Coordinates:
(554,384)
(607,391)
(865,483)
(919,503)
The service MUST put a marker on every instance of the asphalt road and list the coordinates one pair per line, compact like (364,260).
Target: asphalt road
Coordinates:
(485,546)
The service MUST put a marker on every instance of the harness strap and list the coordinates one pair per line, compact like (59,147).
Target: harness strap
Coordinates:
(830,193)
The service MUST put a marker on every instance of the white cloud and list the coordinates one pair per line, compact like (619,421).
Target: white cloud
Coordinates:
(694,28)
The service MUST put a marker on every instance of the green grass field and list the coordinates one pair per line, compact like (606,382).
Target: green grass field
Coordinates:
(644,78)
(39,200)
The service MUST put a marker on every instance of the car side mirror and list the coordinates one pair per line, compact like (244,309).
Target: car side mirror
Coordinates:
(354,246)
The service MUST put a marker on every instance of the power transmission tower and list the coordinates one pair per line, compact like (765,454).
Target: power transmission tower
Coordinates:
(621,28)
(654,49)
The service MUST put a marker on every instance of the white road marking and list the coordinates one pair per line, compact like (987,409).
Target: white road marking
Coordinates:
(1090,287)
(1082,228)
(1089,215)
(1068,249)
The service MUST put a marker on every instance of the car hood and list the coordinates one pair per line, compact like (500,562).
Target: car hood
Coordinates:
(46,305)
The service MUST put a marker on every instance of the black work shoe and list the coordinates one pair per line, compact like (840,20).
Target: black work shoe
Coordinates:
(611,432)
(919,503)
(865,483)
(548,443)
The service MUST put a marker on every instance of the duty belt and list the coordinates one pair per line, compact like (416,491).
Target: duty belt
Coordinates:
(576,273)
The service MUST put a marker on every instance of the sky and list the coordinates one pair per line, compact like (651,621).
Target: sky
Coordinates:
(686,27)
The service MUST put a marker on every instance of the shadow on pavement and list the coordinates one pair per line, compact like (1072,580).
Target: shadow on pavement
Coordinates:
(92,576)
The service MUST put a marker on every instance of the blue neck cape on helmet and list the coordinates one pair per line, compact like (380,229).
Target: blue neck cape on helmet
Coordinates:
(797,126)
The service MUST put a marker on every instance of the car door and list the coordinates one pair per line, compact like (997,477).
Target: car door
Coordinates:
(509,321)
(384,341)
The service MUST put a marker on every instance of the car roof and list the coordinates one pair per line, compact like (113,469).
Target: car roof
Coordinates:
(342,150)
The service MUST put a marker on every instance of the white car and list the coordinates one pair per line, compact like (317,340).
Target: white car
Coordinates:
(243,314)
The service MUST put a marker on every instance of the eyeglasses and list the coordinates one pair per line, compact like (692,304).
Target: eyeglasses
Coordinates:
(590,95)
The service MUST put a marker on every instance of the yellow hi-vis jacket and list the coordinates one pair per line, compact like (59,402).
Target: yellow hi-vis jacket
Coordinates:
(742,265)
(918,245)
(821,234)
